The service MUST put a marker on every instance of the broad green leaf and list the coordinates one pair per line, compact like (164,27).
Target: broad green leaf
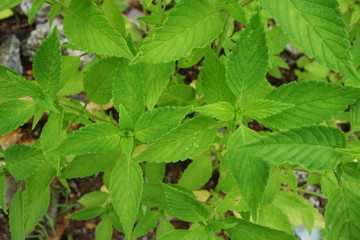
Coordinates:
(273,185)
(355,115)
(342,210)
(125,123)
(191,24)
(5,4)
(104,229)
(28,88)
(70,65)
(186,141)
(250,172)
(185,235)
(351,172)
(154,172)
(247,230)
(94,138)
(212,80)
(14,113)
(248,62)
(9,89)
(2,191)
(52,131)
(94,198)
(89,30)
(355,50)
(270,212)
(127,144)
(146,224)
(47,63)
(263,108)
(98,80)
(312,147)
(178,95)
(86,213)
(154,123)
(128,88)
(74,85)
(126,186)
(223,111)
(197,173)
(163,228)
(35,7)
(23,160)
(87,165)
(53,12)
(192,59)
(184,205)
(114,15)
(16,216)
(156,77)
(317,28)
(313,102)
(154,196)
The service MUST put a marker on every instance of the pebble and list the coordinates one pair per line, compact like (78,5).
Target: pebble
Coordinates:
(10,54)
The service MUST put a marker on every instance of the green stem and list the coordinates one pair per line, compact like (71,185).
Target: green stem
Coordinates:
(306,191)
(244,3)
(227,24)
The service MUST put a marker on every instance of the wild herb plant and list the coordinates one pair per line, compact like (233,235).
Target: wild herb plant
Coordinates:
(164,120)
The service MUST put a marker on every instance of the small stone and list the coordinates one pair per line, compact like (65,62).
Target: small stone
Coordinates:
(41,16)
(10,54)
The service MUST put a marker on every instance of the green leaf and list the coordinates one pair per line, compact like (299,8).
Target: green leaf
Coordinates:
(94,199)
(16,216)
(263,108)
(318,29)
(247,230)
(146,224)
(154,172)
(125,122)
(126,186)
(52,131)
(114,15)
(23,160)
(98,80)
(355,115)
(87,165)
(192,24)
(312,147)
(9,89)
(184,205)
(104,230)
(5,4)
(94,138)
(86,213)
(185,235)
(128,88)
(35,7)
(250,172)
(178,95)
(342,210)
(186,141)
(222,111)
(313,102)
(2,191)
(53,12)
(197,173)
(127,144)
(153,124)
(270,212)
(212,80)
(163,228)
(248,62)
(89,30)
(156,77)
(47,63)
(28,88)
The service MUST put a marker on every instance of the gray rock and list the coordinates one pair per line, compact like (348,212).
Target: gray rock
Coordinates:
(41,15)
(10,54)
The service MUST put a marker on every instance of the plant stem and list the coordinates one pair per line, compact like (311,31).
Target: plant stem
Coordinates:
(246,3)
(227,24)
(306,191)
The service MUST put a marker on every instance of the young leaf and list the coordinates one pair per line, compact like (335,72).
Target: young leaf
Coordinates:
(16,216)
(318,29)
(212,80)
(94,199)
(126,185)
(147,222)
(186,141)
(53,12)
(128,88)
(222,111)
(127,144)
(192,24)
(88,29)
(104,230)
(263,108)
(125,122)
(23,160)
(98,80)
(86,213)
(313,102)
(52,131)
(94,138)
(37,4)
(153,124)
(47,63)
(184,205)
(14,113)
(9,89)
(312,147)
(248,62)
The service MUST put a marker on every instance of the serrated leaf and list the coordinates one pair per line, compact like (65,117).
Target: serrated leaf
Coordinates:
(318,29)
(262,108)
(47,63)
(98,80)
(127,144)
(2,191)
(126,186)
(35,7)
(125,122)
(52,131)
(355,115)
(6,4)
(186,141)
(313,147)
(89,30)
(94,199)
(16,216)
(146,224)
(248,62)
(178,95)
(185,235)
(23,160)
(314,102)
(53,12)
(14,113)
(128,88)
(153,124)
(28,88)
(104,230)
(212,80)
(268,213)
(184,205)
(114,15)
(9,89)
(222,111)
(192,24)
(94,138)
(156,77)
(250,172)
(86,213)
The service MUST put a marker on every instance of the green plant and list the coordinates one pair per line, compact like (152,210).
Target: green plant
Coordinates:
(163,120)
